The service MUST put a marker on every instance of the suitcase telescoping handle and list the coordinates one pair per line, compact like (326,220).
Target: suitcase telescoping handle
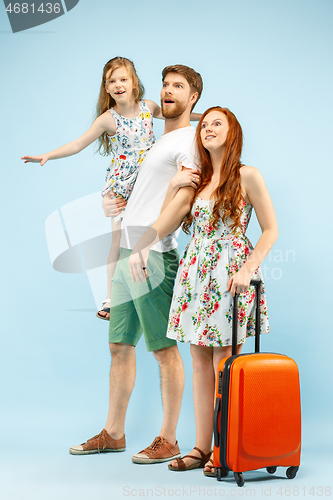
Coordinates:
(256,284)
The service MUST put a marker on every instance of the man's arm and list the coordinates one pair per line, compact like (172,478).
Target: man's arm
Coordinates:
(195,117)
(169,220)
(185,177)
(157,112)
(188,173)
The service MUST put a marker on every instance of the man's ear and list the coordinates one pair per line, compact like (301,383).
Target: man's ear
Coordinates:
(194,98)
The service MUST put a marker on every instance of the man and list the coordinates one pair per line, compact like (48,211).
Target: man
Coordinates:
(144,306)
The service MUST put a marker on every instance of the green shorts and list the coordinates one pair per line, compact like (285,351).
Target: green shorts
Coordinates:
(138,308)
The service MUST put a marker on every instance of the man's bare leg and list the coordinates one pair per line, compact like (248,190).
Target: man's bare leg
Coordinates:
(122,380)
(165,447)
(172,386)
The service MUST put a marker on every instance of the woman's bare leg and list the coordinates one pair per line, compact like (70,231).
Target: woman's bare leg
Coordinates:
(203,398)
(220,353)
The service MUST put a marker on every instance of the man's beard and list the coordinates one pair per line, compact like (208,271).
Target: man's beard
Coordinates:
(175,111)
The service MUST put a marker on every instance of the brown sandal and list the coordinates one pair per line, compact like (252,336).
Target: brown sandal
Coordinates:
(210,473)
(211,466)
(199,464)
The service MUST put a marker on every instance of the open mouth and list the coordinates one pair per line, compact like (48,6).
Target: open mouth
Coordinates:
(209,137)
(168,101)
(120,92)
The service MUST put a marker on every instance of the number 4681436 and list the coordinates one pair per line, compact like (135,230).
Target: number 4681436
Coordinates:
(25,8)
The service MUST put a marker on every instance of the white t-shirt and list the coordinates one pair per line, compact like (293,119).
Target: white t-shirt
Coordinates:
(145,203)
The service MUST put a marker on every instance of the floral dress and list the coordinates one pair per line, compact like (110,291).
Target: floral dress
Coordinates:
(201,308)
(130,144)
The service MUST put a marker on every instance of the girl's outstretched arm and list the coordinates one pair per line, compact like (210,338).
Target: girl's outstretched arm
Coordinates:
(256,191)
(104,123)
(157,112)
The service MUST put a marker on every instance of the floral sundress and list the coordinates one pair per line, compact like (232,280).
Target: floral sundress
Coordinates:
(201,308)
(133,139)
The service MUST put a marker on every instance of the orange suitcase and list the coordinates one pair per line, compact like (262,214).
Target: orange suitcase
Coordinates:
(257,418)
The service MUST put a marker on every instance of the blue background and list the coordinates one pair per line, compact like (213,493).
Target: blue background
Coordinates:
(270,63)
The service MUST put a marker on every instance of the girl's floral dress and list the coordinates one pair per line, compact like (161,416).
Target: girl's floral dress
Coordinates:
(130,144)
(201,308)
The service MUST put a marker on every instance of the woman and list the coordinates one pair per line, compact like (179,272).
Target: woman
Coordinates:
(218,262)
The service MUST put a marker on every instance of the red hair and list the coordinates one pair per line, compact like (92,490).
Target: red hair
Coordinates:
(228,195)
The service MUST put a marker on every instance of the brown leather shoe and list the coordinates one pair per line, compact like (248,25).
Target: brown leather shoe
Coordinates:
(159,451)
(100,443)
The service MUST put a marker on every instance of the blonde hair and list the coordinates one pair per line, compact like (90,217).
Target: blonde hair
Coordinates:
(105,101)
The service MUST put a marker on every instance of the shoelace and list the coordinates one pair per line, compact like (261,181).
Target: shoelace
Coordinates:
(156,444)
(99,436)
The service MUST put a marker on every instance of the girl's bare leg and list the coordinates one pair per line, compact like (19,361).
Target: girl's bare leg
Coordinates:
(112,259)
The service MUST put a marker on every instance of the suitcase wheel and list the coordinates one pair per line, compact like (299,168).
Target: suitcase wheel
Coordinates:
(219,473)
(291,472)
(239,478)
(271,470)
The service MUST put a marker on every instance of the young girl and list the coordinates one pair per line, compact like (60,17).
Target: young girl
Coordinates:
(218,261)
(124,127)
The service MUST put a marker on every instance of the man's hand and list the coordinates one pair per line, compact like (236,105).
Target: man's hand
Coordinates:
(137,265)
(113,206)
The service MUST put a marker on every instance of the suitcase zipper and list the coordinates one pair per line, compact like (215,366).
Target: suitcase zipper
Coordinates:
(224,412)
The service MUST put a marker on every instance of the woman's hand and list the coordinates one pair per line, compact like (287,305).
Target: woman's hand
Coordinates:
(186,177)
(112,206)
(137,265)
(42,159)
(239,282)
